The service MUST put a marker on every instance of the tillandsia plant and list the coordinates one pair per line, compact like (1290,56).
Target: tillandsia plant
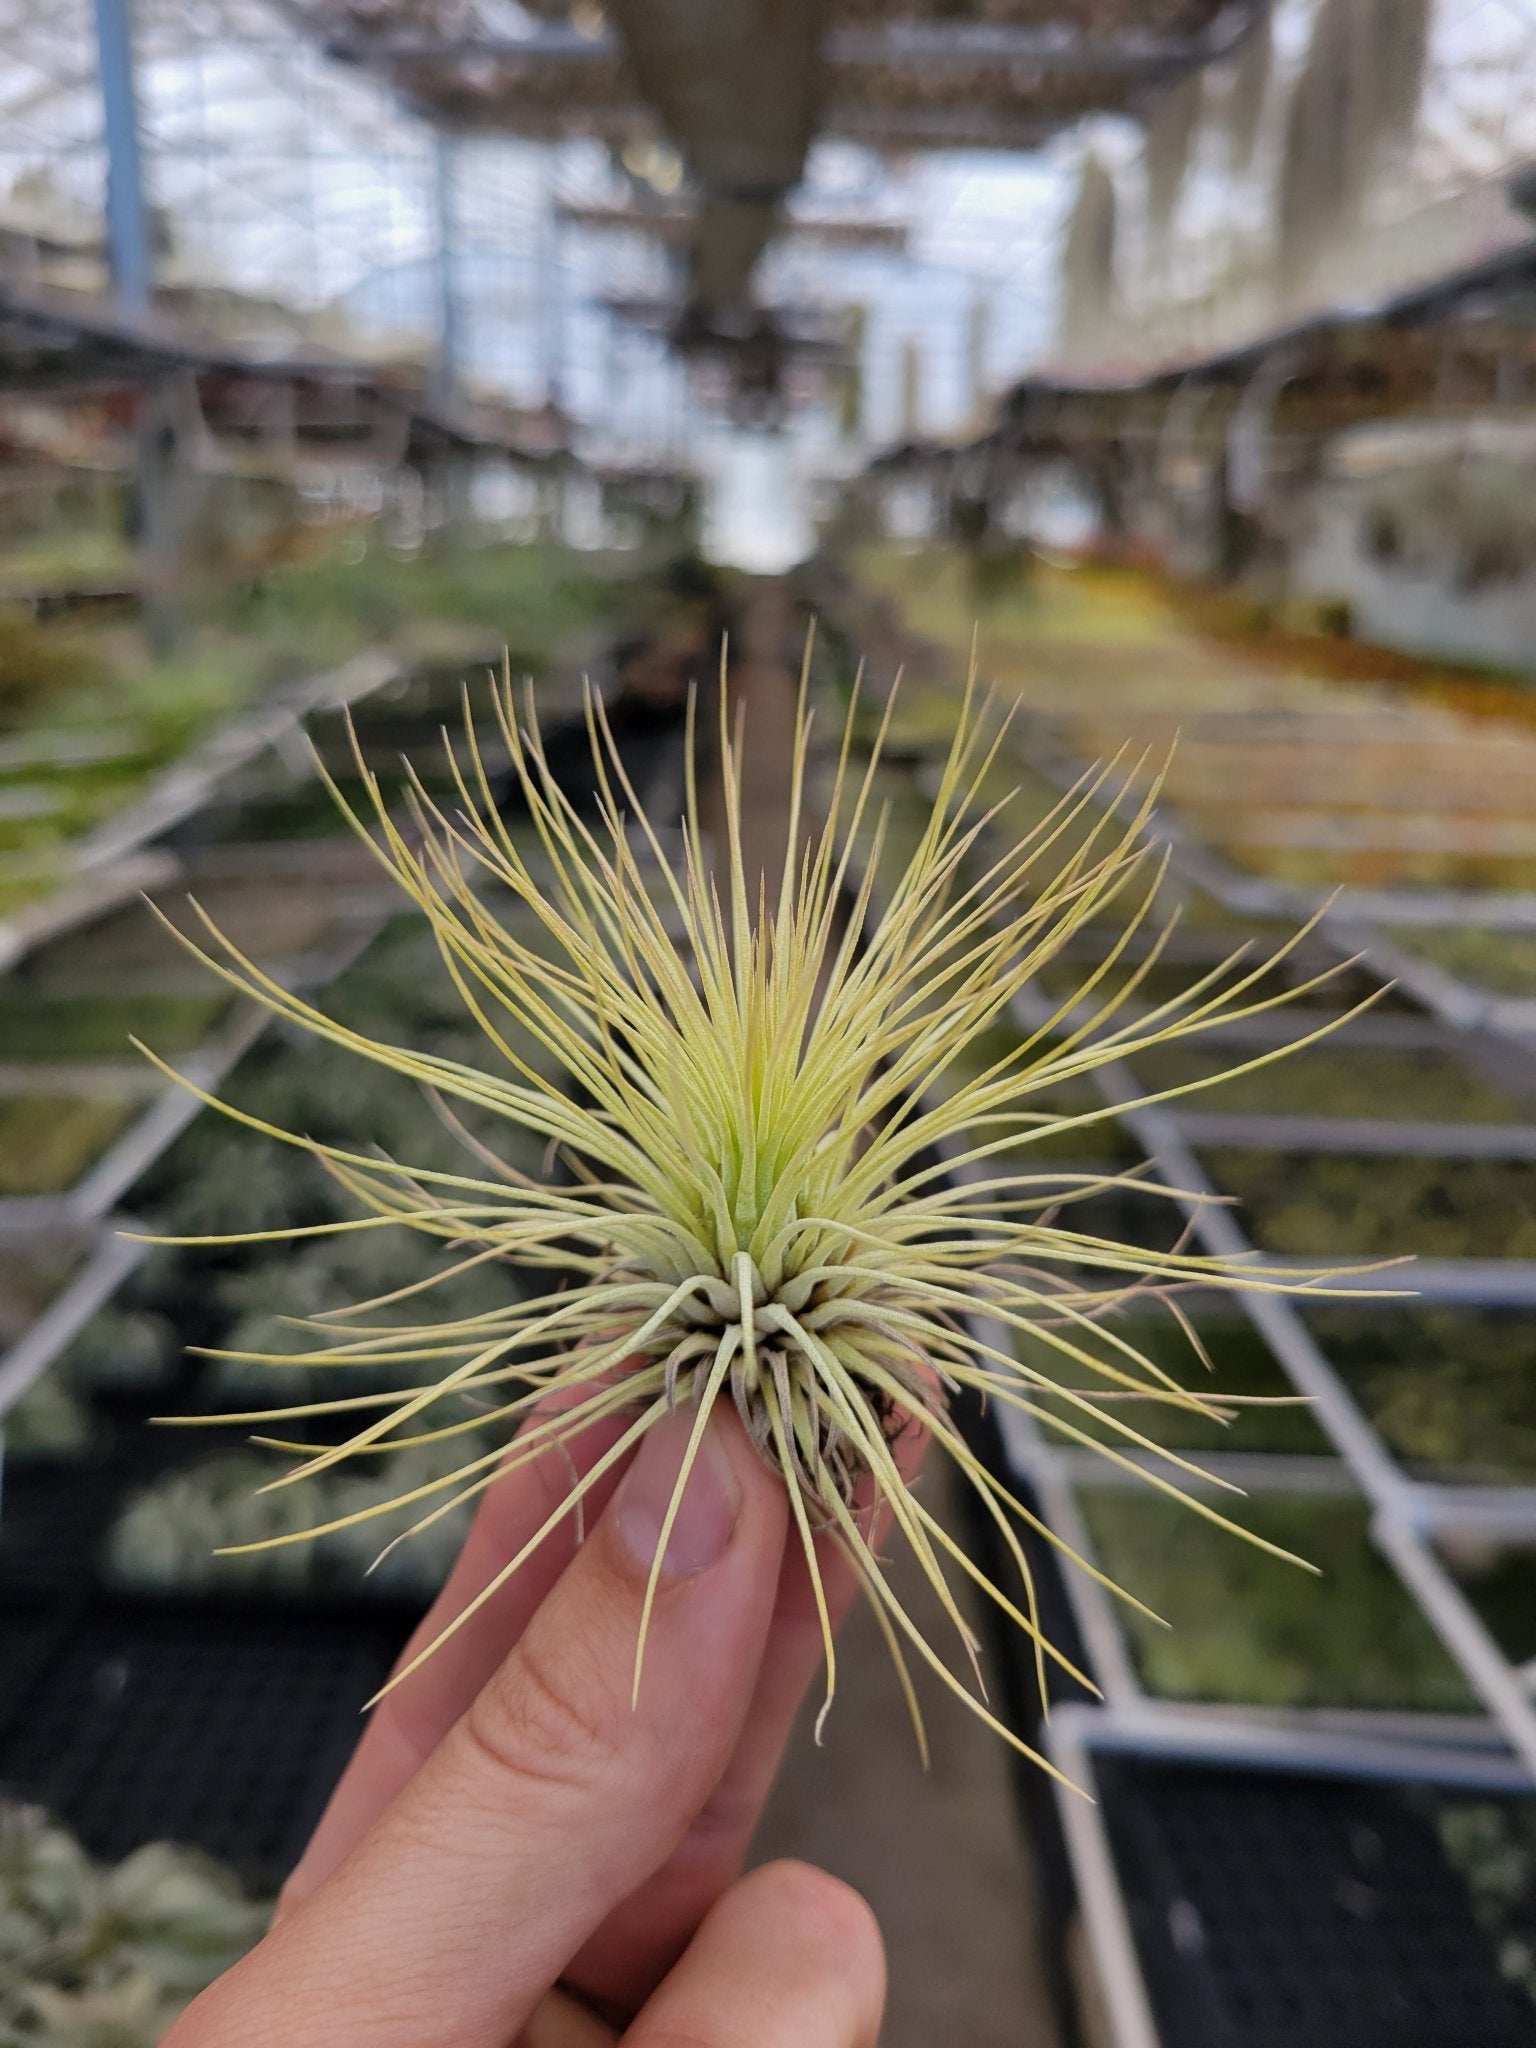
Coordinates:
(775,1194)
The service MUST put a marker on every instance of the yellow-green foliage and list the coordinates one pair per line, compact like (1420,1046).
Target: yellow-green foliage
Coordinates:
(38,664)
(1317,1204)
(752,1212)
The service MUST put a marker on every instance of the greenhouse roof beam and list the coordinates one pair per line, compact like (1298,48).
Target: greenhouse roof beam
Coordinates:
(675,224)
(741,91)
(1054,46)
(1001,126)
(906,45)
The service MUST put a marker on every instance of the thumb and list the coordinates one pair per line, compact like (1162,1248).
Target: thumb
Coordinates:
(553,1797)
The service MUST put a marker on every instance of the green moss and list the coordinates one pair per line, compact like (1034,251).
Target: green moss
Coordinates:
(1500,1581)
(455,603)
(1330,1080)
(1504,962)
(1172,981)
(1103,1140)
(940,599)
(17,890)
(68,559)
(169,705)
(47,1141)
(1250,1629)
(530,597)
(38,663)
(309,813)
(1242,1363)
(36,1027)
(1451,1391)
(1334,1206)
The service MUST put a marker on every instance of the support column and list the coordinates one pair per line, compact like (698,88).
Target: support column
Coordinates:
(157,528)
(448,361)
(552,330)
(127,221)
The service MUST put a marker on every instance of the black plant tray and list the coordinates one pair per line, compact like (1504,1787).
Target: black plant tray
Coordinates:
(1012,1674)
(141,1721)
(53,1513)
(56,1516)
(1279,1911)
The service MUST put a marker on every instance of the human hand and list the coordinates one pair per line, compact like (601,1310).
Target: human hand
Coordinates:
(516,1855)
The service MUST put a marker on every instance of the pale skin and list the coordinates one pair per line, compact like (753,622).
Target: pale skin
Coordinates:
(518,1857)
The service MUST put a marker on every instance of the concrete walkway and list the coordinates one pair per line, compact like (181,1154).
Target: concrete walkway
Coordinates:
(940,1854)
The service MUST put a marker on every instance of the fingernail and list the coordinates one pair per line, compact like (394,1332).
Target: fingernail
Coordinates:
(707,1512)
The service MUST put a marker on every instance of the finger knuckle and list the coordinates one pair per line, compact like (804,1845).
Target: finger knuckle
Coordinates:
(543,1718)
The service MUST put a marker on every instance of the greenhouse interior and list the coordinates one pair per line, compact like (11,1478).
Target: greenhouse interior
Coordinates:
(745,735)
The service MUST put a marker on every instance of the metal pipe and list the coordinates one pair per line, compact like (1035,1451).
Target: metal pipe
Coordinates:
(1310,1748)
(907,46)
(165,1119)
(113,1259)
(1028,1452)
(1128,2009)
(552,322)
(450,338)
(1356,1134)
(127,222)
(1462,1631)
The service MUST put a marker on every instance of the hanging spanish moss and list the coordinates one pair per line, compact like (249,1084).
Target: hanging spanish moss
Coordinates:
(1314,198)
(1402,47)
(911,388)
(1242,104)
(1355,102)
(1088,257)
(850,402)
(1171,131)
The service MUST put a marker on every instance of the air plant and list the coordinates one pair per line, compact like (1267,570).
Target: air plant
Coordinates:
(768,1199)
(106,1956)
(165,1538)
(1088,257)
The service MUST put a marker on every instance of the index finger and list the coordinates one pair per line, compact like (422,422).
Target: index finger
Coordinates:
(641,1940)
(406,1725)
(552,1798)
